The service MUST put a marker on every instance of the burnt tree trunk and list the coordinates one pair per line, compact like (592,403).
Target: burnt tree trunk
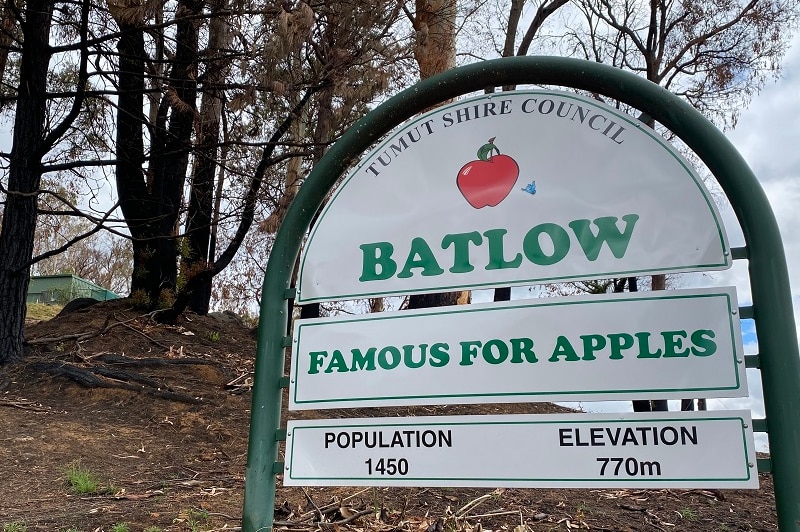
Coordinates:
(131,184)
(171,147)
(24,176)
(201,198)
(151,205)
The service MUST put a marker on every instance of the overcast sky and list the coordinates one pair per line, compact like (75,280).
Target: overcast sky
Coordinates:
(768,136)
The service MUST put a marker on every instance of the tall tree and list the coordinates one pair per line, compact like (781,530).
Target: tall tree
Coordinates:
(200,211)
(151,202)
(258,69)
(32,141)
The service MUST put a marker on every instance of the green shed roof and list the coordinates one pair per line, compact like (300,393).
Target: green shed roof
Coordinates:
(62,288)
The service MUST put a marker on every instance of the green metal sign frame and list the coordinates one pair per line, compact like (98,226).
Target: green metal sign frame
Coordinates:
(778,359)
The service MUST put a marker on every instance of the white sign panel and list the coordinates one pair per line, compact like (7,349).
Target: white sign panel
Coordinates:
(670,344)
(655,450)
(507,189)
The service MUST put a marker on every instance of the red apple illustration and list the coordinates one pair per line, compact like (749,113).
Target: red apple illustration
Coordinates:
(488,180)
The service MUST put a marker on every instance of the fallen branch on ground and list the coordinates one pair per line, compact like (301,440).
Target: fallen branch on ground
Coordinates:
(101,377)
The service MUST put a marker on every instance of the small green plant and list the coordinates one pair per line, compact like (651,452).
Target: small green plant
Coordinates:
(580,512)
(166,298)
(213,336)
(688,514)
(196,518)
(81,480)
(153,529)
(15,526)
(140,299)
(120,527)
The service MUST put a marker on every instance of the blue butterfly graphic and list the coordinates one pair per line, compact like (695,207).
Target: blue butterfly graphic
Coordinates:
(530,188)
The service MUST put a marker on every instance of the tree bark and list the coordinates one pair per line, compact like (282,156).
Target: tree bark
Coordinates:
(201,197)
(171,149)
(7,36)
(151,206)
(435,26)
(131,185)
(24,176)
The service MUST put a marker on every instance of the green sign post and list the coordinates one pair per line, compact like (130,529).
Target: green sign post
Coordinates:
(778,360)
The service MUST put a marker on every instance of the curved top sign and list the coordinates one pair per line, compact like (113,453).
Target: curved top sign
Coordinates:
(509,189)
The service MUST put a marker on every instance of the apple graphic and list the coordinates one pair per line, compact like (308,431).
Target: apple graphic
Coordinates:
(487,181)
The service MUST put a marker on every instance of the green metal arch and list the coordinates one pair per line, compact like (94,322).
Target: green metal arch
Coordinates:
(769,278)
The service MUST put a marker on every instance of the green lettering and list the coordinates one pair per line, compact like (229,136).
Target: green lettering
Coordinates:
(565,349)
(439,355)
(316,361)
(377,255)
(533,249)
(496,259)
(383,357)
(644,346)
(337,363)
(591,344)
(704,346)
(607,231)
(420,256)
(673,342)
(408,356)
(460,242)
(522,347)
(619,342)
(488,353)
(363,360)
(469,350)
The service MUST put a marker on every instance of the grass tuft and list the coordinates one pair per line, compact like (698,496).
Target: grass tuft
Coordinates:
(82,481)
(196,518)
(15,526)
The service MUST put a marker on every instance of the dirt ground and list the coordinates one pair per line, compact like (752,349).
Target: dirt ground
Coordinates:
(159,415)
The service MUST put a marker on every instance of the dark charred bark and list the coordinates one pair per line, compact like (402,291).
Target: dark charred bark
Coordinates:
(151,205)
(171,148)
(24,176)
(201,198)
(131,185)
(433,300)
(248,214)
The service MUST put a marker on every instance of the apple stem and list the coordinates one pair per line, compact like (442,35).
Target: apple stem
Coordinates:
(485,150)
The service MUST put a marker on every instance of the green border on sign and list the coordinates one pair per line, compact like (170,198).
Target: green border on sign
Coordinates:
(607,482)
(736,358)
